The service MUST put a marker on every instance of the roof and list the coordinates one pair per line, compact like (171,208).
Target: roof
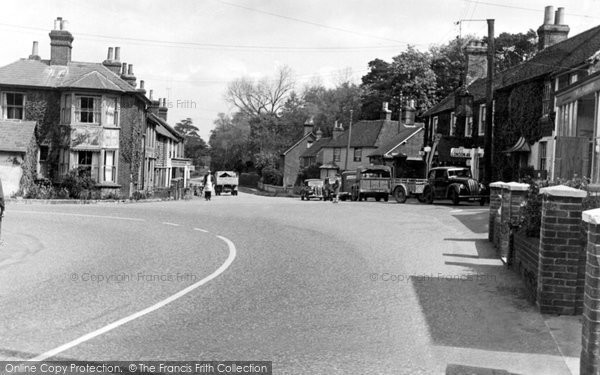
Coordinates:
(397,140)
(163,128)
(309,134)
(315,148)
(78,75)
(15,136)
(367,134)
(556,58)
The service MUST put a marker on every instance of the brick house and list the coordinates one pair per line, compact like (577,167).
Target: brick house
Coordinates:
(291,158)
(542,119)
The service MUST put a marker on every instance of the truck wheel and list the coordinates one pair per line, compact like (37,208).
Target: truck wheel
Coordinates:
(386,198)
(428,195)
(454,197)
(377,198)
(400,194)
(302,197)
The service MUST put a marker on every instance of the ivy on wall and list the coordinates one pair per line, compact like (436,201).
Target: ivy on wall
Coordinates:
(130,145)
(517,114)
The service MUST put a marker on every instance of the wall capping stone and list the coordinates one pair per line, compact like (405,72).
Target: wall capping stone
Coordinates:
(563,191)
(497,184)
(591,216)
(515,186)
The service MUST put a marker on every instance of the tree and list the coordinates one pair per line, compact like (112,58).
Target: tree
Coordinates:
(229,143)
(266,96)
(195,147)
(187,129)
(513,49)
(448,63)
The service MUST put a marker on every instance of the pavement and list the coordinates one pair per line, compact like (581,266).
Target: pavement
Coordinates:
(315,287)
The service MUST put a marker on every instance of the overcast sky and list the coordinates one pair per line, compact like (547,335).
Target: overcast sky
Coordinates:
(189,50)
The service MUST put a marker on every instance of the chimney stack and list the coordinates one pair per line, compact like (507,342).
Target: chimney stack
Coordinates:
(476,59)
(338,129)
(319,134)
(150,94)
(386,114)
(61,43)
(408,114)
(309,125)
(142,90)
(127,74)
(162,108)
(550,32)
(35,55)
(111,63)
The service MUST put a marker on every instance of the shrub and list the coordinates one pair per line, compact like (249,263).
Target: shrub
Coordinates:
(530,215)
(41,189)
(272,176)
(79,184)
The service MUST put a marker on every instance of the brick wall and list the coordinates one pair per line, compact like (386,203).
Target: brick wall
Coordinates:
(590,338)
(526,259)
(495,201)
(561,250)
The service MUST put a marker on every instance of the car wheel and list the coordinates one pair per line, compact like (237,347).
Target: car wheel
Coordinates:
(427,196)
(400,194)
(454,197)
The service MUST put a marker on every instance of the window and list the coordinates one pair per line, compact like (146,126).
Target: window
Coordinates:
(14,103)
(434,125)
(547,97)
(358,154)
(65,110)
(337,152)
(469,126)
(542,153)
(111,114)
(84,161)
(87,110)
(482,116)
(43,153)
(109,166)
(452,124)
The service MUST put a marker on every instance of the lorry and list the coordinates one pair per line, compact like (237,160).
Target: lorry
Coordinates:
(226,182)
(372,182)
(402,188)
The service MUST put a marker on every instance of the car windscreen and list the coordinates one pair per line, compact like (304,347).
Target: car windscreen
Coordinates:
(466,173)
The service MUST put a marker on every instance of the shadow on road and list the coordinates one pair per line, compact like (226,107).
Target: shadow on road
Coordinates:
(483,247)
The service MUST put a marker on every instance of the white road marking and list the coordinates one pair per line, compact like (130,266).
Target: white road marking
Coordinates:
(454,211)
(156,306)
(201,230)
(79,215)
(172,224)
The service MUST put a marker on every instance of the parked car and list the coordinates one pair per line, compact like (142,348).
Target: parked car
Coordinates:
(454,183)
(373,182)
(313,188)
(348,180)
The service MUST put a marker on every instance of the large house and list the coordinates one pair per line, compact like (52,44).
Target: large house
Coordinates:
(543,110)
(89,117)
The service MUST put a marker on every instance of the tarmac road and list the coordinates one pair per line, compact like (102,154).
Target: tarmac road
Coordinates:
(315,287)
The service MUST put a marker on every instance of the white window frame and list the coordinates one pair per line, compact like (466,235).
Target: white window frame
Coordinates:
(96,110)
(5,106)
(452,130)
(481,119)
(112,168)
(469,126)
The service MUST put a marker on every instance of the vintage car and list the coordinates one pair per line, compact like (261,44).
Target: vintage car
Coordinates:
(454,183)
(312,188)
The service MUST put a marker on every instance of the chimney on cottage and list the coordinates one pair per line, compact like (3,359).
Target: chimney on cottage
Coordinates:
(60,43)
(35,55)
(476,59)
(112,63)
(319,134)
(551,33)
(142,90)
(153,108)
(338,129)
(162,108)
(386,114)
(309,125)
(127,74)
(408,114)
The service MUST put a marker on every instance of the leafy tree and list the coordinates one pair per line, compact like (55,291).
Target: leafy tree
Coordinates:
(448,64)
(195,147)
(229,143)
(512,49)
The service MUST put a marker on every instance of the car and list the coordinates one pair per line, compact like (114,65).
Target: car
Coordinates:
(455,184)
(312,188)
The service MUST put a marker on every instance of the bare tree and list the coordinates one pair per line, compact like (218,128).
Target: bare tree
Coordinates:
(267,96)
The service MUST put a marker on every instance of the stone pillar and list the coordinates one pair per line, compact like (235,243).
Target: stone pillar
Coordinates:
(561,248)
(495,201)
(590,335)
(513,195)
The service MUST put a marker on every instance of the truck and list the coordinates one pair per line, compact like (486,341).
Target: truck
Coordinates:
(226,182)
(372,182)
(402,188)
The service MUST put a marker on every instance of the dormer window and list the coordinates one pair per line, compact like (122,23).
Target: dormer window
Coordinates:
(14,105)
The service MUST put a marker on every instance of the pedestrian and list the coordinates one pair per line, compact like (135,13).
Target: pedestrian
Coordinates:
(326,190)
(208,186)
(336,189)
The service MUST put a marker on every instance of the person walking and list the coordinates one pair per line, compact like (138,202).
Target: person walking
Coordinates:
(336,189)
(208,186)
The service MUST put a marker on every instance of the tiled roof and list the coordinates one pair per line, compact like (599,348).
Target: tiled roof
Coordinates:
(311,135)
(315,148)
(365,134)
(80,75)
(15,136)
(394,141)
(163,128)
(556,58)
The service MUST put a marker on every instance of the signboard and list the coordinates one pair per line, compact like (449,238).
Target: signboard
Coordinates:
(461,152)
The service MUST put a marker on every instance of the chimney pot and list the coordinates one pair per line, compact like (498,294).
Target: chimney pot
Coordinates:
(150,95)
(142,84)
(559,16)
(34,49)
(56,24)
(124,71)
(64,25)
(548,11)
(109,57)
(130,71)
(117,53)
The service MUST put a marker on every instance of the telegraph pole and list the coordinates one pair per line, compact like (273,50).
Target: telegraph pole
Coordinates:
(348,146)
(488,147)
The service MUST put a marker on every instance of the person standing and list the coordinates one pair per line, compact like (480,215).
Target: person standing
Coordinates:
(208,186)
(336,189)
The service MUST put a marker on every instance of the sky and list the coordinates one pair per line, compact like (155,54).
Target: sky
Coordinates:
(189,50)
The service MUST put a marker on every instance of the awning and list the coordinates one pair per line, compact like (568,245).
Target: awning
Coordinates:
(521,146)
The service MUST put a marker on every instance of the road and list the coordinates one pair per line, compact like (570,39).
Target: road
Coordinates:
(315,287)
